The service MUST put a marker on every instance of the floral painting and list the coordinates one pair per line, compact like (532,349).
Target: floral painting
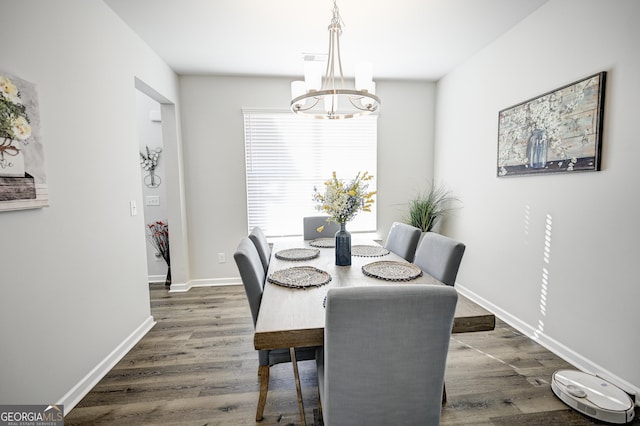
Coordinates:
(560,131)
(23,183)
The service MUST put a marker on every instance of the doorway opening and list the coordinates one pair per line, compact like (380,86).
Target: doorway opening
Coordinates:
(153,183)
(170,204)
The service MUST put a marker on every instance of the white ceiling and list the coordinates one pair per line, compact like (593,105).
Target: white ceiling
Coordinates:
(404,39)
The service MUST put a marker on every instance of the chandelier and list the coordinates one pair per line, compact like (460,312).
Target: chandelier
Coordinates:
(328,97)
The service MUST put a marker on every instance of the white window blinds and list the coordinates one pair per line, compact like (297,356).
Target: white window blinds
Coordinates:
(286,156)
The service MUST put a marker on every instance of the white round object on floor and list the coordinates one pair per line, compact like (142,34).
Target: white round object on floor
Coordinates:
(592,396)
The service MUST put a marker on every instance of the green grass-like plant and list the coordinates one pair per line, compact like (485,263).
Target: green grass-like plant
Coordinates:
(429,207)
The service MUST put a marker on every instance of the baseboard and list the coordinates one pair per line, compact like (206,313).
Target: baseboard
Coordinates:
(157,278)
(580,362)
(75,394)
(210,282)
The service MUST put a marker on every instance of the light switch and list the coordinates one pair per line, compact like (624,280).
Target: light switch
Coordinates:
(152,200)
(133,208)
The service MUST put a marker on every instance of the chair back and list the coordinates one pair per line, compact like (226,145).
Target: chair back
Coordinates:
(252,274)
(262,245)
(310,225)
(403,240)
(440,257)
(385,354)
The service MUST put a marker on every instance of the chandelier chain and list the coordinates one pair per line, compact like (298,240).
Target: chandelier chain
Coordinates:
(336,21)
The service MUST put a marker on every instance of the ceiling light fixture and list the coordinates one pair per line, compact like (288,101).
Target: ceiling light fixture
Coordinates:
(318,98)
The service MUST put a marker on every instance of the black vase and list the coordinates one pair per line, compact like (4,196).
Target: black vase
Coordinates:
(343,246)
(167,281)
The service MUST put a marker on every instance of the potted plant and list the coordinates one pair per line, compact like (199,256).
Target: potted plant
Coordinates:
(428,208)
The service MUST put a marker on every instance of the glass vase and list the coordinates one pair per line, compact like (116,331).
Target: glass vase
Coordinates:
(343,246)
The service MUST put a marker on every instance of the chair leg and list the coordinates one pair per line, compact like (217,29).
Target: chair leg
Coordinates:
(294,362)
(263,373)
(444,394)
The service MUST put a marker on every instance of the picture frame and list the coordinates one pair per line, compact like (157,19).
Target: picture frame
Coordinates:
(23,178)
(557,132)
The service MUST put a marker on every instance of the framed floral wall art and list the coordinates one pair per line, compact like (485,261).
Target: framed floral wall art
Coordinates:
(557,132)
(23,181)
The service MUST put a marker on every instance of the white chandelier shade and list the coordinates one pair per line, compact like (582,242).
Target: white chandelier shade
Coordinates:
(328,97)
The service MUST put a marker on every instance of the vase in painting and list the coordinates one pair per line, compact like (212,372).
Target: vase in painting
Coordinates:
(11,160)
(537,149)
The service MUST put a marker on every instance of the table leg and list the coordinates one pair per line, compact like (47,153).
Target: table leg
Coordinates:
(294,362)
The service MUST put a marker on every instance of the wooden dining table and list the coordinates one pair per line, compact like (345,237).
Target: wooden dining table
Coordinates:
(292,317)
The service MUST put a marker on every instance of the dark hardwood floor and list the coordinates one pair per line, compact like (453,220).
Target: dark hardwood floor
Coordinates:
(197,366)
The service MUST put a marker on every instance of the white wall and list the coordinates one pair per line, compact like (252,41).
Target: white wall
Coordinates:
(73,275)
(213,137)
(583,303)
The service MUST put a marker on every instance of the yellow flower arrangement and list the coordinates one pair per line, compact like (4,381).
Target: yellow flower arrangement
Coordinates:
(343,200)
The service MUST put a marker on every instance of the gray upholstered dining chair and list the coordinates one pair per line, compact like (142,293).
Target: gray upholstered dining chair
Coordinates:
(310,225)
(403,240)
(385,353)
(262,245)
(253,278)
(440,257)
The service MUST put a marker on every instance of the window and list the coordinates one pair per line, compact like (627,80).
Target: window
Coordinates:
(287,156)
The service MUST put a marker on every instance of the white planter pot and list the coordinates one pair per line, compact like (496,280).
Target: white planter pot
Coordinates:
(11,163)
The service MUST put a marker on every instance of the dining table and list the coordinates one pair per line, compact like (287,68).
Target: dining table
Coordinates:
(301,272)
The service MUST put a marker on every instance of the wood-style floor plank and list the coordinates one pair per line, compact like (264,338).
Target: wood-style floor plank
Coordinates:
(197,366)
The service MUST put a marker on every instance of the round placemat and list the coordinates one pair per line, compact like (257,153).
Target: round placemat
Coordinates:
(323,242)
(369,251)
(392,271)
(297,254)
(300,277)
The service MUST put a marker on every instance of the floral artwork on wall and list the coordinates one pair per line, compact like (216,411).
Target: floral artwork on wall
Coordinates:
(23,181)
(560,131)
(149,162)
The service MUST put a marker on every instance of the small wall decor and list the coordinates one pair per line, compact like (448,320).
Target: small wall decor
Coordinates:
(559,131)
(149,162)
(23,181)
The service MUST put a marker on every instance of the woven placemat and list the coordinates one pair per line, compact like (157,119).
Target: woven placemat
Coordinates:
(323,242)
(300,277)
(297,254)
(392,271)
(369,251)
